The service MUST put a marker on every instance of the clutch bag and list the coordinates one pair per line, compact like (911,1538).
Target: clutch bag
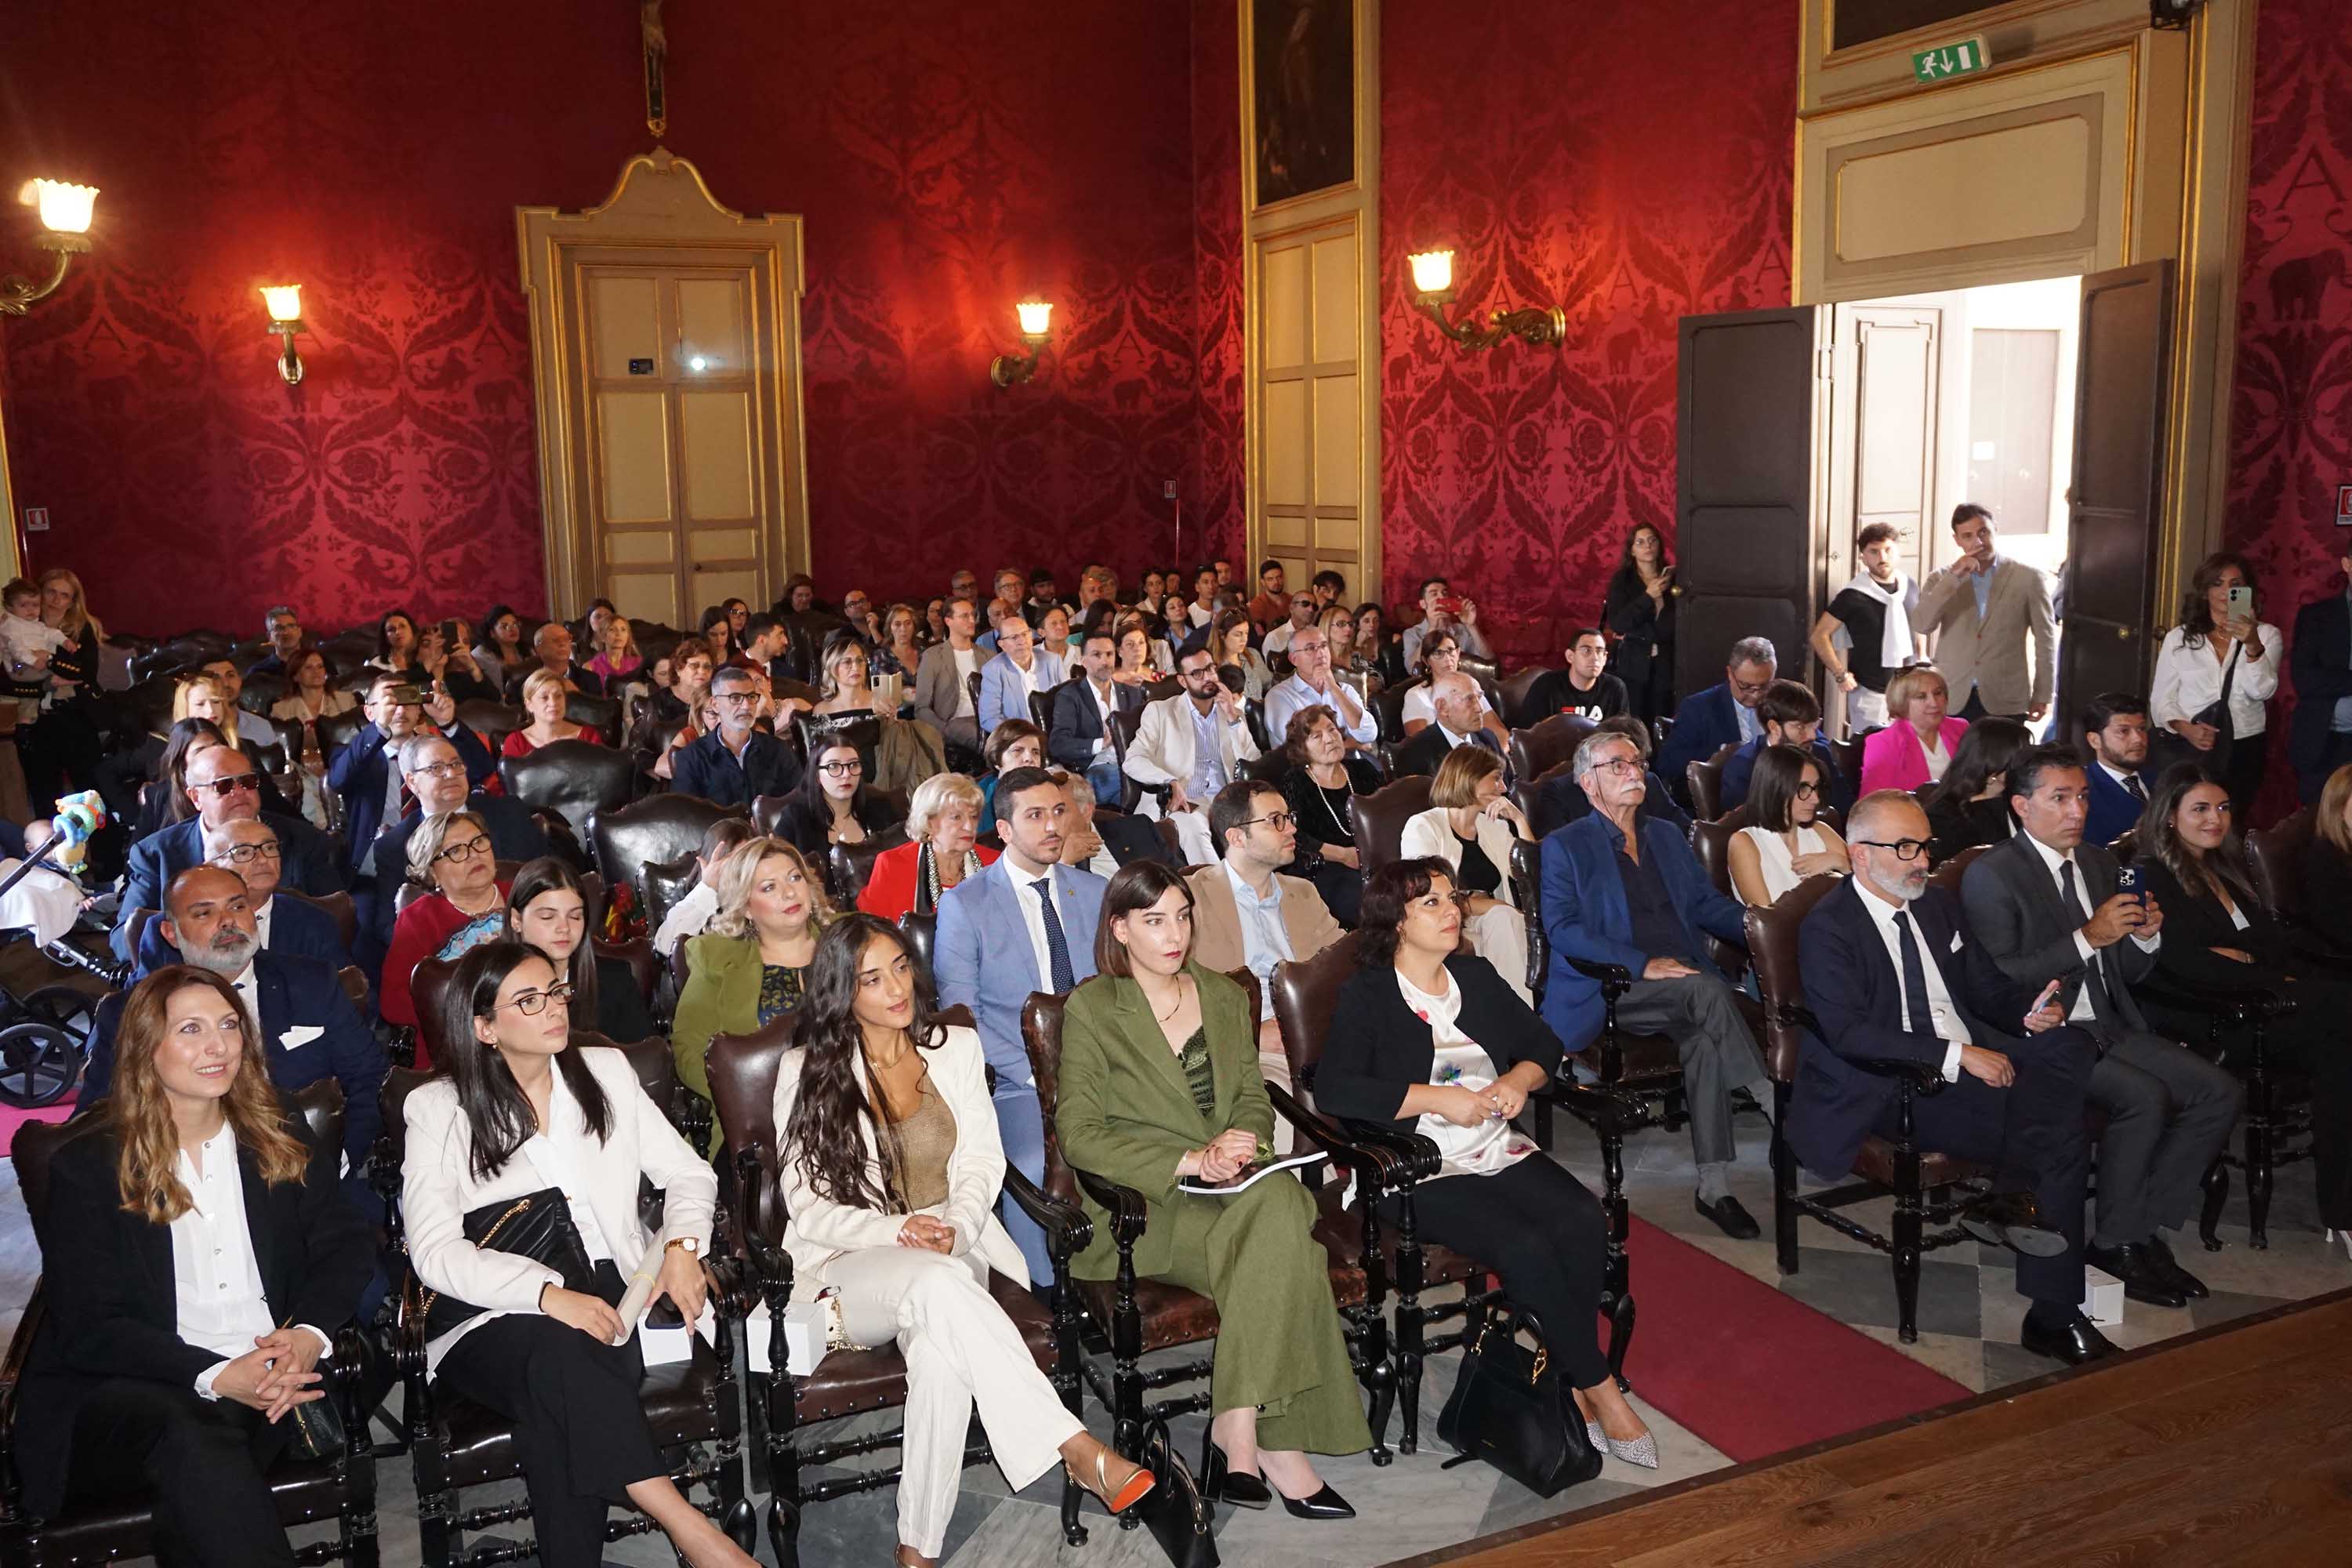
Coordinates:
(537,1225)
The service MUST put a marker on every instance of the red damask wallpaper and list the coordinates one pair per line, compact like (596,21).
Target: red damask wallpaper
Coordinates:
(2291,418)
(1219,506)
(1591,166)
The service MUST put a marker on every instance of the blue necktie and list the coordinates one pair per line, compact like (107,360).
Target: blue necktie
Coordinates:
(1915,978)
(1057,945)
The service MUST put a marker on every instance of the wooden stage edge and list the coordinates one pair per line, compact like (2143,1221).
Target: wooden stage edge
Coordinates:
(2230,1444)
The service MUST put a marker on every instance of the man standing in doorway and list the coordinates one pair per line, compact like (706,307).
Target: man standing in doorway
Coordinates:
(1982,610)
(1873,613)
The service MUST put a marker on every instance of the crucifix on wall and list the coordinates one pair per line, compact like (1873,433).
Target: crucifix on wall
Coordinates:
(656,51)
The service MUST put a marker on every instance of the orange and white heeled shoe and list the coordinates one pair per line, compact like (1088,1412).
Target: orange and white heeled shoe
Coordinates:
(1138,1487)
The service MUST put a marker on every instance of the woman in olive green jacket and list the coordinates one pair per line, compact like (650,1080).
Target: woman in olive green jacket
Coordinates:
(1160,1083)
(750,964)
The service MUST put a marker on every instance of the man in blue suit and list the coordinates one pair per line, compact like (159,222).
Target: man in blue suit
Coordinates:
(1791,716)
(225,787)
(437,782)
(1079,738)
(309,1030)
(1026,923)
(1892,974)
(2114,727)
(1619,888)
(363,773)
(1722,715)
(248,847)
(1020,668)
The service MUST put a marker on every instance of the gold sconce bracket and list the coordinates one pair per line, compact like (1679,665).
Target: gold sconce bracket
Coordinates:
(1036,317)
(1433,277)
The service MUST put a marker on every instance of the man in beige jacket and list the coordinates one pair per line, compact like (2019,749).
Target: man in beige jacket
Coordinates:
(1982,610)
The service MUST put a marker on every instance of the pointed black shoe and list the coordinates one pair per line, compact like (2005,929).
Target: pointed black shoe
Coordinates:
(1325,1504)
(1730,1217)
(1225,1485)
(2185,1282)
(2145,1279)
(2011,1220)
(2067,1336)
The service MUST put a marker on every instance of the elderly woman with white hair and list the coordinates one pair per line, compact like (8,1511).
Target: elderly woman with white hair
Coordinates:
(450,855)
(943,829)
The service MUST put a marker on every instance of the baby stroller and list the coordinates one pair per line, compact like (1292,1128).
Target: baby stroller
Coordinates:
(44,1035)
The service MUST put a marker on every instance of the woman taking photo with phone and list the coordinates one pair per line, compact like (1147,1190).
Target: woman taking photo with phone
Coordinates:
(2209,701)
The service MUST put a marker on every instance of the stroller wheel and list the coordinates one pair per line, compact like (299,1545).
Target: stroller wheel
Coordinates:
(68,1007)
(38,1062)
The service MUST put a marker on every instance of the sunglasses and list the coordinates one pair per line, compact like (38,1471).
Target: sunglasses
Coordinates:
(235,784)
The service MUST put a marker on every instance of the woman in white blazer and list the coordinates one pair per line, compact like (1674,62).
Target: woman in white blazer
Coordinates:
(907,1241)
(1471,825)
(518,1112)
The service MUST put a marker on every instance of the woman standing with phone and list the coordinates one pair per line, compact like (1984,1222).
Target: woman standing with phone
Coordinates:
(2215,675)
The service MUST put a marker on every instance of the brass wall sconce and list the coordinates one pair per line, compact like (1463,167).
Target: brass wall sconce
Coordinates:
(1433,286)
(65,231)
(285,304)
(1036,321)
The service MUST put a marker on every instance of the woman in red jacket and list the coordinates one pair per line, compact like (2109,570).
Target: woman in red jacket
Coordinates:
(449,853)
(942,822)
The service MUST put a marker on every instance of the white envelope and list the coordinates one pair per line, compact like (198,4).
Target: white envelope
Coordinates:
(301,1035)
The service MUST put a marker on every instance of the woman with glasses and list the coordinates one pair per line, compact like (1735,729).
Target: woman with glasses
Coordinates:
(547,907)
(1787,842)
(450,855)
(1969,806)
(753,963)
(905,752)
(831,805)
(943,822)
(1441,656)
(521,1113)
(1471,824)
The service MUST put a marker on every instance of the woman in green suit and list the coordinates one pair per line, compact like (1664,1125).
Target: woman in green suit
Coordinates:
(1160,1083)
(752,963)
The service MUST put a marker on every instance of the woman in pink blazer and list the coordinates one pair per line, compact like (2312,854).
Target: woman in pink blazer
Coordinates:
(1917,746)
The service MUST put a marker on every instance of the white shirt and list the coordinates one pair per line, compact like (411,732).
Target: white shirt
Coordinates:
(1938,758)
(966,659)
(2188,679)
(1266,940)
(1033,915)
(215,1278)
(1419,704)
(1197,615)
(1940,1009)
(690,916)
(558,1167)
(2082,1010)
(1279,641)
(1105,706)
(1285,700)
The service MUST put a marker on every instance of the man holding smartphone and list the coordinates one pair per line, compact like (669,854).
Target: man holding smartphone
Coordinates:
(1442,610)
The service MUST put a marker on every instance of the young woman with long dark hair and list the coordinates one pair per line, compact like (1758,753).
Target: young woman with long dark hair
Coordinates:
(1639,610)
(547,907)
(1970,805)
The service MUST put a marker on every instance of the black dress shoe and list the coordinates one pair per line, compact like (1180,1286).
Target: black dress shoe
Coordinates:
(1325,1504)
(2185,1282)
(2145,1279)
(1730,1217)
(2067,1336)
(2013,1220)
(1239,1487)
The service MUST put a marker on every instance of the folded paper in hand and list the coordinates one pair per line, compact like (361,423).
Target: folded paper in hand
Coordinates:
(1251,1175)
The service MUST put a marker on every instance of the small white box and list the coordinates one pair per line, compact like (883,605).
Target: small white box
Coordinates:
(2103,1297)
(804,1334)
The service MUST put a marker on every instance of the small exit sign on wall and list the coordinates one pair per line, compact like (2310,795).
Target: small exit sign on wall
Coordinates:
(37,520)
(2344,506)
(1946,61)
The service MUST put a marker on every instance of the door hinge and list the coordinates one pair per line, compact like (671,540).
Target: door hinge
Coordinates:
(1825,363)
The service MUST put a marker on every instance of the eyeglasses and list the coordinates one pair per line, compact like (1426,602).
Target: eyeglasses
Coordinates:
(450,769)
(1624,767)
(1905,849)
(735,697)
(466,849)
(840,770)
(235,784)
(1808,791)
(531,1003)
(1277,820)
(245,853)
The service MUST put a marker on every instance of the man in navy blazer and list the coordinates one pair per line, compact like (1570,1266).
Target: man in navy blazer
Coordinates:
(2007,1100)
(1619,888)
(223,785)
(249,848)
(436,778)
(1024,923)
(309,1030)
(2320,738)
(363,774)
(2115,728)
(1791,716)
(1720,716)
(736,762)
(1079,737)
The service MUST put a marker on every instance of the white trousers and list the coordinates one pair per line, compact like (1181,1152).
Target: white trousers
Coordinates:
(1192,836)
(961,1350)
(1500,937)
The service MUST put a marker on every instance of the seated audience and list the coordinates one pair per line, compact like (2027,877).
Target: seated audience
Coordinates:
(249,729)
(737,762)
(719,625)
(1272,605)
(2220,937)
(1103,841)
(444,663)
(906,1244)
(1378,653)
(1298,614)
(900,652)
(547,908)
(1470,827)
(449,854)
(943,825)
(1722,715)
(1079,738)
(753,963)
(1462,721)
(1561,800)
(2115,728)
(1321,786)
(205,696)
(1282,1388)
(164,802)
(396,645)
(1791,716)
(311,698)
(1312,681)
(502,653)
(1016,744)
(1229,640)
(1195,743)
(367,773)
(617,658)
(1339,624)
(691,915)
(2328,868)
(1024,923)
(2169,1111)
(552,646)
(1787,842)
(1621,890)
(1893,973)
(142,1388)
(1442,612)
(845,670)
(540,1348)
(1919,741)
(543,698)
(943,693)
(247,847)
(1441,665)
(1138,653)
(283,627)
(2216,672)
(1427,1039)
(1585,688)
(433,776)
(1970,805)
(831,804)
(223,788)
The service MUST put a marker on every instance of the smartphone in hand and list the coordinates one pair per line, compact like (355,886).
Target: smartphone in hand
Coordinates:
(2128,880)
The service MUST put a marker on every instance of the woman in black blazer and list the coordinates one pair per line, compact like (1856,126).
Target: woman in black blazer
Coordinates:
(2217,934)
(833,805)
(1427,1039)
(131,1393)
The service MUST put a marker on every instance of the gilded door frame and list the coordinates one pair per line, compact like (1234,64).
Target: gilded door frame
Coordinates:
(660,203)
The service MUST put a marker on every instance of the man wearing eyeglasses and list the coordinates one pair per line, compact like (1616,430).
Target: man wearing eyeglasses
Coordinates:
(437,781)
(367,773)
(223,787)
(1312,682)
(283,627)
(738,761)
(1722,715)
(1195,743)
(1896,981)
(248,847)
(1622,888)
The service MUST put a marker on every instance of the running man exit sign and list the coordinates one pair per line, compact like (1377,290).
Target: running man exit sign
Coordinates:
(1966,57)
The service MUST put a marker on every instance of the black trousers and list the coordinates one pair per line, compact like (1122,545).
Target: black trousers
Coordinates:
(1342,888)
(580,1429)
(1536,1227)
(201,1465)
(2031,1134)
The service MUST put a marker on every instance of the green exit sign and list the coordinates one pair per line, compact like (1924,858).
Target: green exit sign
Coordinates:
(1966,57)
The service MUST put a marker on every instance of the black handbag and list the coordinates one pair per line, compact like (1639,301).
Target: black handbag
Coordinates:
(537,1225)
(1508,1409)
(1179,1520)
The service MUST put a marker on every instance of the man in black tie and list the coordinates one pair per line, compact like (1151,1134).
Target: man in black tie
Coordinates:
(1892,974)
(2114,727)
(2045,908)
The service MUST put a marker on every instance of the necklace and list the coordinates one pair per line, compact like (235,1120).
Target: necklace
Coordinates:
(1175,1007)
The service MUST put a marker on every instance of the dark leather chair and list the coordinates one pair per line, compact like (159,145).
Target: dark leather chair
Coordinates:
(1388,708)
(1705,782)
(336,732)
(631,837)
(668,881)
(1928,1188)
(693,1406)
(1380,816)
(342,1488)
(339,907)
(1512,695)
(1541,747)
(577,779)
(493,722)
(849,864)
(1948,875)
(1040,709)
(863,731)
(602,714)
(1125,725)
(743,1071)
(1846,755)
(768,810)
(922,930)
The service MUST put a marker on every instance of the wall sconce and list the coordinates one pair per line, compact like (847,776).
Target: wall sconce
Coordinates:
(285,303)
(1036,319)
(1433,285)
(65,231)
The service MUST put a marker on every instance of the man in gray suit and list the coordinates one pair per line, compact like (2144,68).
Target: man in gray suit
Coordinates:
(1983,609)
(2044,908)
(943,697)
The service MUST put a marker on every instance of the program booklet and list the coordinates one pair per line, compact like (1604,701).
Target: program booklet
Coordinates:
(1248,1177)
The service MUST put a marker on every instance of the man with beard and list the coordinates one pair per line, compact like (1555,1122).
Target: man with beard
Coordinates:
(249,848)
(223,787)
(2115,728)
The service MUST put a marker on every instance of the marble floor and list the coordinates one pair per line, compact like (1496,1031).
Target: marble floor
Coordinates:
(1969,1322)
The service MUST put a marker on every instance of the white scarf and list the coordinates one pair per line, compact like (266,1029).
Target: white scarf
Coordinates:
(1895,638)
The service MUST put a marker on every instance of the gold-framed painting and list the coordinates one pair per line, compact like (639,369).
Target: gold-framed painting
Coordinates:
(1303,60)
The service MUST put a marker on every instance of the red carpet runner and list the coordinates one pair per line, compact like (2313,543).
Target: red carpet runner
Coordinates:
(12,1118)
(1750,1370)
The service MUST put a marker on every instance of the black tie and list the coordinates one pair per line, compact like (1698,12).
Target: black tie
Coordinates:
(2095,978)
(1058,944)
(2138,791)
(1915,978)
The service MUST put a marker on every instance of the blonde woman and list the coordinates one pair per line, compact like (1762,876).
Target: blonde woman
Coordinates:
(617,658)
(943,827)
(848,681)
(752,962)
(200,697)
(1471,824)
(544,697)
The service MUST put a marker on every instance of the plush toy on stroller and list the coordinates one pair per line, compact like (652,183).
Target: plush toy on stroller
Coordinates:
(45,1034)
